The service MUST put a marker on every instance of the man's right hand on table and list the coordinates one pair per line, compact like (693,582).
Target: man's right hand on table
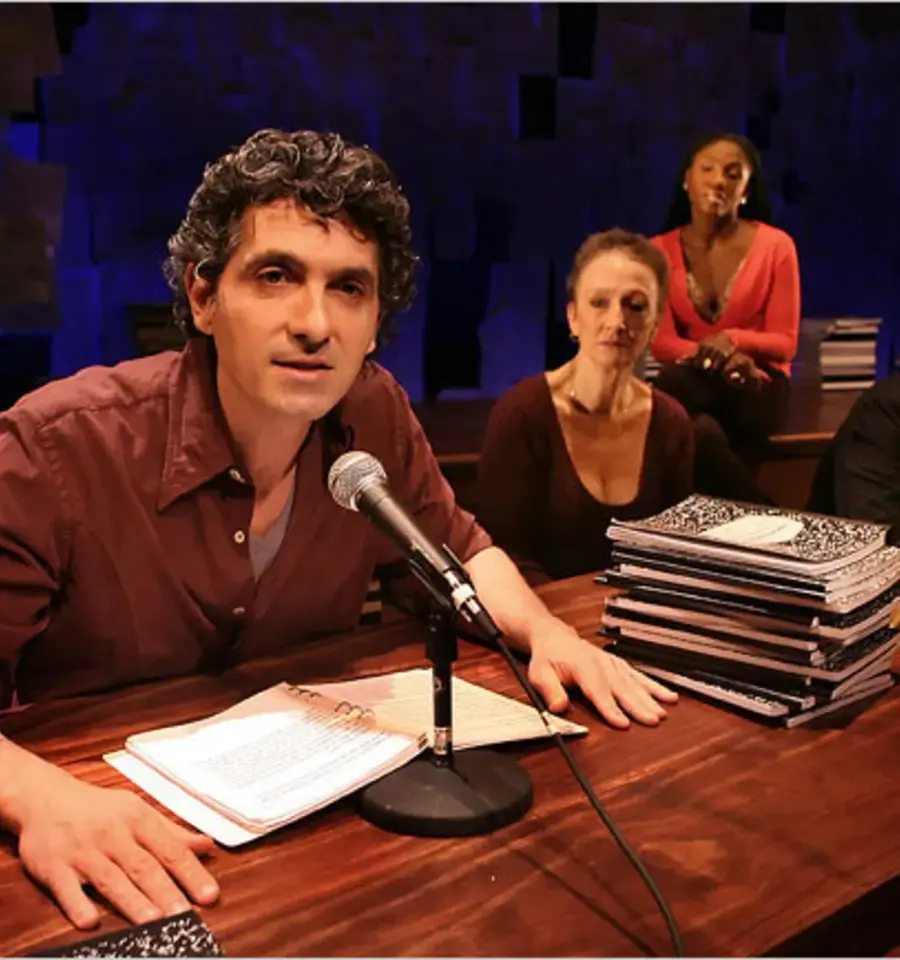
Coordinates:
(72,834)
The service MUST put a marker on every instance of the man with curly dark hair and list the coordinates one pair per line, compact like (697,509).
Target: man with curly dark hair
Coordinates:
(171,513)
(325,175)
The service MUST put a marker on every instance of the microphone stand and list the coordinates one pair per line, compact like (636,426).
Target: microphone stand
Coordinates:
(443,793)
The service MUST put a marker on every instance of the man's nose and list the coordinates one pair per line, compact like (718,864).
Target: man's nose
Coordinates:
(310,317)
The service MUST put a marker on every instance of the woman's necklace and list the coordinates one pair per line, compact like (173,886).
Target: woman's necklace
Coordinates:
(584,408)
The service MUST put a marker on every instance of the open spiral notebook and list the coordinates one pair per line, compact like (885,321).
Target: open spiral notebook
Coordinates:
(292,750)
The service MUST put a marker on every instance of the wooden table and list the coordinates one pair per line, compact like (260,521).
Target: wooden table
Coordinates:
(763,840)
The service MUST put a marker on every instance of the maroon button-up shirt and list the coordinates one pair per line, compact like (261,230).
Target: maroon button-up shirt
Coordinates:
(124,527)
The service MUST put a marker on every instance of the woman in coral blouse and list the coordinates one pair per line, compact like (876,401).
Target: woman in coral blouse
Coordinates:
(729,327)
(567,450)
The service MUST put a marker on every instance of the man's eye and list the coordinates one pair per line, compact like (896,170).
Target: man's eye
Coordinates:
(351,289)
(273,276)
(600,303)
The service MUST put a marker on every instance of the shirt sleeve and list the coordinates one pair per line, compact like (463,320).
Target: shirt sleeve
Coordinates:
(32,544)
(777,341)
(867,460)
(513,478)
(426,494)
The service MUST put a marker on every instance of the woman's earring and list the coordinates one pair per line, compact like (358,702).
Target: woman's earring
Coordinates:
(743,201)
(573,337)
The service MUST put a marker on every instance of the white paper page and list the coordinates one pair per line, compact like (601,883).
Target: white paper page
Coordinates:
(480,716)
(193,811)
(274,756)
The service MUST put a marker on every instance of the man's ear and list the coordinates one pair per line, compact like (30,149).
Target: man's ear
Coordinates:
(373,343)
(201,297)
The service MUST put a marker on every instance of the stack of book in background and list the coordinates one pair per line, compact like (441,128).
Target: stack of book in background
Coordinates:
(848,354)
(648,367)
(781,614)
(839,354)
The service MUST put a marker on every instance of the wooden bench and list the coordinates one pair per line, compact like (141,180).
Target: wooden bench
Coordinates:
(456,431)
(794,452)
(456,428)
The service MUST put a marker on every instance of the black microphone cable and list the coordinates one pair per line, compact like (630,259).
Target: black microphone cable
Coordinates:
(347,478)
(611,825)
(615,831)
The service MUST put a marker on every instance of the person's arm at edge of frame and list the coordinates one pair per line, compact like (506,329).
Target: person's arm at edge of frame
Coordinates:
(71,833)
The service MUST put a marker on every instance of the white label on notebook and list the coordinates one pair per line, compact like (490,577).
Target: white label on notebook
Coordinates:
(751,531)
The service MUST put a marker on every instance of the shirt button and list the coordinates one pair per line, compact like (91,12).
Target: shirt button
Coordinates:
(239,611)
(239,536)
(236,475)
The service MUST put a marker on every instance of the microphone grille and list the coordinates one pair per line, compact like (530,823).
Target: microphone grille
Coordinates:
(350,473)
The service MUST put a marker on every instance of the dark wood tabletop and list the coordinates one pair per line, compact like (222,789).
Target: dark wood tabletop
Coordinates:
(763,840)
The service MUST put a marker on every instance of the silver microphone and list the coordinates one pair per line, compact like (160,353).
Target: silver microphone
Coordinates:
(357,481)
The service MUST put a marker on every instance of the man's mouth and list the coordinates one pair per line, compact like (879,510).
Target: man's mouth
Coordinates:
(306,366)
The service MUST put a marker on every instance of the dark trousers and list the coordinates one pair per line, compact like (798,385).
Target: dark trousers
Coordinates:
(732,426)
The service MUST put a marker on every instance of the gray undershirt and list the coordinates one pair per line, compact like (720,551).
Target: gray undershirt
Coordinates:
(264,548)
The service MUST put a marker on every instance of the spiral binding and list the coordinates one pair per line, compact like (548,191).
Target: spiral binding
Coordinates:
(343,708)
(363,713)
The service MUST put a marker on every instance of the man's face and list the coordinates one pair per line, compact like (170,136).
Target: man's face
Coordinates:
(295,312)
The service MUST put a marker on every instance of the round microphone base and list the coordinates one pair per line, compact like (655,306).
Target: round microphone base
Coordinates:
(481,792)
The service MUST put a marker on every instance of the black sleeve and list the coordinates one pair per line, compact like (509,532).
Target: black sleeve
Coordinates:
(867,458)
(513,480)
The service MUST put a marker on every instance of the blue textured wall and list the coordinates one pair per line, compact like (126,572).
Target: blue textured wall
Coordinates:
(509,152)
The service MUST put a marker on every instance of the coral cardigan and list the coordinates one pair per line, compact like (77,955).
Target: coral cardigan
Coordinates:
(762,316)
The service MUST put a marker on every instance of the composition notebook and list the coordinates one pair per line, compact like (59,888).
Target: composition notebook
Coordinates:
(789,541)
(290,750)
(184,935)
(880,566)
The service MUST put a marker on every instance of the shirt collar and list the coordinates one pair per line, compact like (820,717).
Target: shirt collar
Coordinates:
(197,443)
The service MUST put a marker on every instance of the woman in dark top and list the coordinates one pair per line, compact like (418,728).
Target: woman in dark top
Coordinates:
(568,450)
(730,323)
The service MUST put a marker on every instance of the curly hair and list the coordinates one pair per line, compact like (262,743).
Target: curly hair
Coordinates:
(319,170)
(757,206)
(637,246)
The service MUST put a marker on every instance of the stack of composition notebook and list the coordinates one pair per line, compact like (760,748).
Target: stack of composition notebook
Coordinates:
(781,614)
